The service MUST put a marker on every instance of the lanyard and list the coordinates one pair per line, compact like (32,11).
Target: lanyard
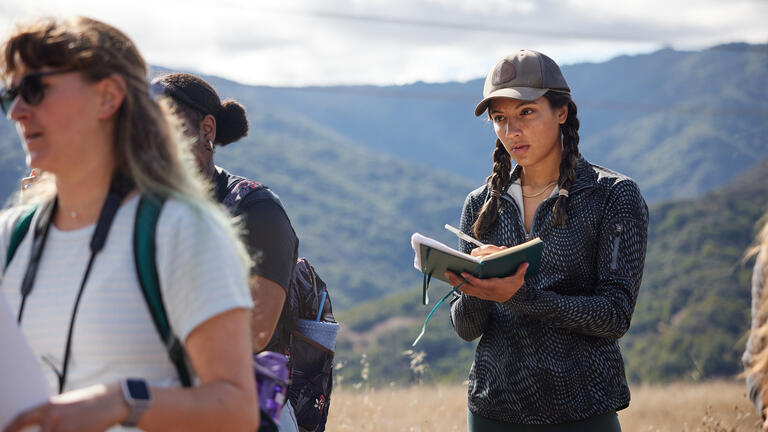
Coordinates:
(118,190)
(425,296)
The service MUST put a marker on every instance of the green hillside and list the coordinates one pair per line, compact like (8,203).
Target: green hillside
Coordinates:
(353,210)
(361,168)
(693,313)
(683,155)
(690,321)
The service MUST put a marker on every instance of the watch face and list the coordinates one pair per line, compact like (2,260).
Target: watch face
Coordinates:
(138,389)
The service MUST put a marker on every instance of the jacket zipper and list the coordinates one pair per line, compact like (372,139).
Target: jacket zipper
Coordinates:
(518,214)
(616,242)
(527,236)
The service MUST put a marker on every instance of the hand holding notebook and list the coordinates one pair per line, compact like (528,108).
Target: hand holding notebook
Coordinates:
(433,258)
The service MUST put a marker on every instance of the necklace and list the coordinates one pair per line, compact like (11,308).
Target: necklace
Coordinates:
(542,191)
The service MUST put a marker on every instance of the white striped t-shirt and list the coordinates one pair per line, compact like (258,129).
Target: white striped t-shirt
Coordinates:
(114,336)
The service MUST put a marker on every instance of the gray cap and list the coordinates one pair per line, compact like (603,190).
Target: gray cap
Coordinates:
(524,75)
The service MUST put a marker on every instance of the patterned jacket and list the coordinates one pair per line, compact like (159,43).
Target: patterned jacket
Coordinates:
(550,354)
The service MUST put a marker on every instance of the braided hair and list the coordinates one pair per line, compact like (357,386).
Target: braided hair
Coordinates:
(502,167)
(570,133)
(498,180)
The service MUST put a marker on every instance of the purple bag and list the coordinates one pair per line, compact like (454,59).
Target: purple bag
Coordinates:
(271,371)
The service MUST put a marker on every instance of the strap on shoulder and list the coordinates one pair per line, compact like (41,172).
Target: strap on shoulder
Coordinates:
(147,215)
(19,232)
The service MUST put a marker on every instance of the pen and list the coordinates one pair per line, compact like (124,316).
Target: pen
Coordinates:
(463,236)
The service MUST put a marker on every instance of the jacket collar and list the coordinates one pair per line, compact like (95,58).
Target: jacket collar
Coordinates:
(586,177)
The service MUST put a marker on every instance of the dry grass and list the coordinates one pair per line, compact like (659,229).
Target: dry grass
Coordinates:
(707,407)
(719,406)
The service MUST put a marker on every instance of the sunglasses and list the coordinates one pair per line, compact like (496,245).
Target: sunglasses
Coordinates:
(31,89)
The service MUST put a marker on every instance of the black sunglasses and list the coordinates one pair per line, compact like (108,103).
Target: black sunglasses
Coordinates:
(31,88)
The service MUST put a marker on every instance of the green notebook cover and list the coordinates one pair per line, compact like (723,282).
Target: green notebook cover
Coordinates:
(434,258)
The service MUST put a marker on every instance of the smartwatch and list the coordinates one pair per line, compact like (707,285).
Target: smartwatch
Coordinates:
(137,396)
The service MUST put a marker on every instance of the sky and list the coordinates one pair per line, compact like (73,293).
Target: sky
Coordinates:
(386,42)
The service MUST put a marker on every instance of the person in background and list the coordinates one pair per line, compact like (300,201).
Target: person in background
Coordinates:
(548,357)
(267,232)
(77,90)
(755,356)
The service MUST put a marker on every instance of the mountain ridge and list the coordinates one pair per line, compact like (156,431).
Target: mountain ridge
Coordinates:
(351,194)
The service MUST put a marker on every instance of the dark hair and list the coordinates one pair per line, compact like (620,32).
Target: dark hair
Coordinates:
(194,99)
(502,165)
(570,132)
(498,181)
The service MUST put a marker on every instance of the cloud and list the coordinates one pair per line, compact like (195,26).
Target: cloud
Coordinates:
(304,42)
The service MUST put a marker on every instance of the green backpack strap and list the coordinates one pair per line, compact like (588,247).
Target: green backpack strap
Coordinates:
(19,232)
(147,214)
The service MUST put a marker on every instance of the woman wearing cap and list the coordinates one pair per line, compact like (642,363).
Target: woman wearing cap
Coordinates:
(78,93)
(548,357)
(267,231)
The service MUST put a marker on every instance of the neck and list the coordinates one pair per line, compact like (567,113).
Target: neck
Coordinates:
(81,195)
(204,160)
(540,176)
(209,168)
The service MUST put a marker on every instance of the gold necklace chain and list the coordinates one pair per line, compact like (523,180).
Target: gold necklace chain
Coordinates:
(542,191)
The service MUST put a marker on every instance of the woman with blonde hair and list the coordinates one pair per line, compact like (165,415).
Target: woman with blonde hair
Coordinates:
(756,355)
(77,90)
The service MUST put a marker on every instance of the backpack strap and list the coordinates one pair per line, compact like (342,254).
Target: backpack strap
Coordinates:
(147,214)
(19,232)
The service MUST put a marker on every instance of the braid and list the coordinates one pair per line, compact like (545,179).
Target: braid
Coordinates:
(498,180)
(570,134)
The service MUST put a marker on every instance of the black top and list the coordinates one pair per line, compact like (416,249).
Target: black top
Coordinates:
(551,354)
(268,234)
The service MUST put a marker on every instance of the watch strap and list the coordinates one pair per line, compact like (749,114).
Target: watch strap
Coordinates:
(138,397)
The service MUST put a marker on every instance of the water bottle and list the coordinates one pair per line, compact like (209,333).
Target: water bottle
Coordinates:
(271,370)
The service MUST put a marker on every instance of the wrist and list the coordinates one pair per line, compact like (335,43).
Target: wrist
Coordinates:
(136,397)
(120,407)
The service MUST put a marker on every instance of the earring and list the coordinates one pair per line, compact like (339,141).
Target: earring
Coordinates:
(210,146)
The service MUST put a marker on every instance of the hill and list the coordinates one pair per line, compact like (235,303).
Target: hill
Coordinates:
(690,321)
(690,119)
(361,168)
(353,210)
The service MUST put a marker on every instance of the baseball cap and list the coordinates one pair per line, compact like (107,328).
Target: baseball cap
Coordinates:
(524,75)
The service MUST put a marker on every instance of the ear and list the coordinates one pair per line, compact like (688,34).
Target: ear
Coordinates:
(562,114)
(111,92)
(208,128)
